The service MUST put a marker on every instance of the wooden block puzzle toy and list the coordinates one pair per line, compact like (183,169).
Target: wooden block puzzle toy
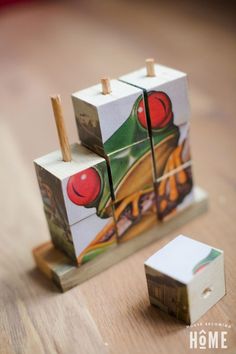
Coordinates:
(132,170)
(185,278)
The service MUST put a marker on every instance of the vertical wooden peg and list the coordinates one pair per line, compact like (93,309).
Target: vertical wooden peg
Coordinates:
(61,130)
(150,67)
(106,86)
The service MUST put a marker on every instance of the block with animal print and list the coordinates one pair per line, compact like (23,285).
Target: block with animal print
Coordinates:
(73,192)
(100,115)
(165,109)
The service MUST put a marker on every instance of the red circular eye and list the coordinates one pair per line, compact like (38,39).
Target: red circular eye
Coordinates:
(141,114)
(84,187)
(160,109)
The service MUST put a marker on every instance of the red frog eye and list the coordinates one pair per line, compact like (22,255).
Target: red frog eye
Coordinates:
(84,187)
(142,114)
(160,109)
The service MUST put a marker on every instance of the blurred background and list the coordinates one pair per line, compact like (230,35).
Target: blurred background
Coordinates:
(63,46)
(49,47)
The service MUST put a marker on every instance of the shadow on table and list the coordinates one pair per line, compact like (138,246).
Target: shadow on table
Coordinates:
(40,280)
(154,317)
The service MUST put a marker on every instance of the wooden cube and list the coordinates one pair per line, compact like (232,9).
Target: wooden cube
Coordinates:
(135,214)
(131,169)
(174,191)
(172,152)
(166,107)
(100,116)
(85,239)
(185,278)
(72,191)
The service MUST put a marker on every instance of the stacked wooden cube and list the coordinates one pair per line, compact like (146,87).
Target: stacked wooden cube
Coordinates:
(131,170)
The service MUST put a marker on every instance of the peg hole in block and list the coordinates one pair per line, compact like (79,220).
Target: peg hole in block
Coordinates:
(206,292)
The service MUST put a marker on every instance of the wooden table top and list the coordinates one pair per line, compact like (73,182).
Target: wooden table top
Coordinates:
(53,47)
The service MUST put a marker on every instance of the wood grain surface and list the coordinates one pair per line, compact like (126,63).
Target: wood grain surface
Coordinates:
(61,47)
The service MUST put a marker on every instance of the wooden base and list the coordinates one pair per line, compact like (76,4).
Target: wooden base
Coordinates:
(58,267)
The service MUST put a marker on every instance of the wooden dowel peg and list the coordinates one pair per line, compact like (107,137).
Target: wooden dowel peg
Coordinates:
(106,87)
(150,67)
(61,130)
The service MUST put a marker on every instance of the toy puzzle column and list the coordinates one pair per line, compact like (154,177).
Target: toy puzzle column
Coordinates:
(185,287)
(109,124)
(71,193)
(166,107)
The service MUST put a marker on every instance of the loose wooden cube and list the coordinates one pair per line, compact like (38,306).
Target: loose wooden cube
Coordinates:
(185,278)
(100,116)
(166,107)
(85,239)
(72,191)
(174,191)
(135,214)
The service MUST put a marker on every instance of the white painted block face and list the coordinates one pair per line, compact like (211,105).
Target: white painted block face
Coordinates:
(92,236)
(85,239)
(72,191)
(172,83)
(107,123)
(190,274)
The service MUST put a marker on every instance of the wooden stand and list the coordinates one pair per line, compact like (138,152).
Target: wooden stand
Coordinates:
(58,267)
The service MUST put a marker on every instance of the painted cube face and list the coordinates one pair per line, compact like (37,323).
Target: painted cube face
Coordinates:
(135,214)
(166,108)
(72,191)
(166,94)
(174,192)
(108,123)
(84,240)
